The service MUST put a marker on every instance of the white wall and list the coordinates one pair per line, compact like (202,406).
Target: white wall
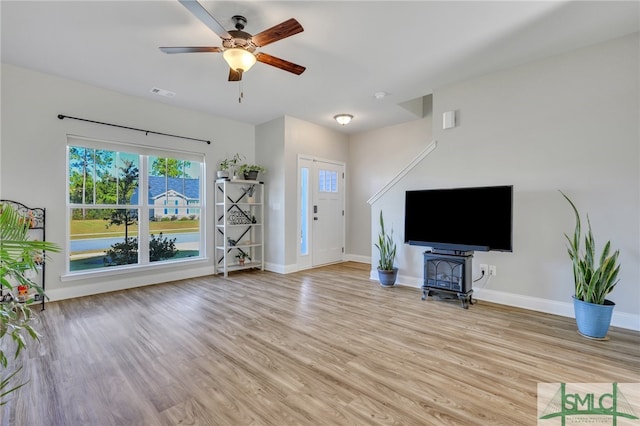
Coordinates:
(568,122)
(270,154)
(375,157)
(303,138)
(278,144)
(33,163)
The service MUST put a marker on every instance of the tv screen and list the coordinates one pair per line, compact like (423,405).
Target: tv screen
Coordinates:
(464,219)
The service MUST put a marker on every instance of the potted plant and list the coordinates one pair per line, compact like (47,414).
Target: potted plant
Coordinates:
(593,282)
(241,256)
(250,171)
(387,273)
(19,259)
(228,165)
(249,191)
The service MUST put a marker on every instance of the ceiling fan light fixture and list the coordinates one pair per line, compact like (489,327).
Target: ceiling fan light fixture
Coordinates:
(239,59)
(343,118)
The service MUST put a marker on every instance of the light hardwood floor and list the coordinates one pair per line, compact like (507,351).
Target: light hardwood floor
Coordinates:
(321,347)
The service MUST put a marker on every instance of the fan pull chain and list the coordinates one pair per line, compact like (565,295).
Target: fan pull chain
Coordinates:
(240,92)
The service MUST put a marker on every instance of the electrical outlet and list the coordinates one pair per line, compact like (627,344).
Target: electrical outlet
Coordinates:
(492,270)
(484,269)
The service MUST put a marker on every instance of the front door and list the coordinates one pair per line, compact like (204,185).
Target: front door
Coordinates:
(321,212)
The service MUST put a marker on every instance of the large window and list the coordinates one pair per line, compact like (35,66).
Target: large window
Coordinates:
(118,199)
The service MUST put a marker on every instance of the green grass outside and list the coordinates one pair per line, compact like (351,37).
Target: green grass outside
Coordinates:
(96,228)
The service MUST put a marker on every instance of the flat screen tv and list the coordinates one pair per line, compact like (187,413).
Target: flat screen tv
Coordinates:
(460,219)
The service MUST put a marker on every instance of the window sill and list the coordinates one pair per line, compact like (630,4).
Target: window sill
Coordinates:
(122,270)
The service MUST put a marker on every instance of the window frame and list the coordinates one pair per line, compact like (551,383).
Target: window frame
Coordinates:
(143,205)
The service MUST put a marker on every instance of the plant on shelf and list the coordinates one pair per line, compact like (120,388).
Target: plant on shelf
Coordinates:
(242,256)
(19,258)
(250,171)
(592,282)
(229,165)
(387,273)
(249,191)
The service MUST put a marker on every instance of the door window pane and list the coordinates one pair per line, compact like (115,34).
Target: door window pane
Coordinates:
(327,181)
(304,211)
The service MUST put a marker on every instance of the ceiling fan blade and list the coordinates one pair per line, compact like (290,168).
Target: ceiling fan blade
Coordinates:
(235,75)
(203,15)
(278,32)
(190,49)
(279,63)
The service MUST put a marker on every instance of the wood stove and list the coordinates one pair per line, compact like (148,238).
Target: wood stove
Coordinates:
(448,273)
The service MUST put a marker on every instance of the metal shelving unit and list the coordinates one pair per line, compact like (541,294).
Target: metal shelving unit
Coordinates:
(239,216)
(36,218)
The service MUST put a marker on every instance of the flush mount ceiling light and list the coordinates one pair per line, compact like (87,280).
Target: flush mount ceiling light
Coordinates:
(239,59)
(343,118)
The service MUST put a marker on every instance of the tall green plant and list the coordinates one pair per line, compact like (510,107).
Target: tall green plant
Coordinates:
(592,282)
(18,254)
(386,247)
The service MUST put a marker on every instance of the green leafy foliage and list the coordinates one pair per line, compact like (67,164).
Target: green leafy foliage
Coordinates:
(18,255)
(126,217)
(593,282)
(170,167)
(161,248)
(231,163)
(100,177)
(127,184)
(4,384)
(243,255)
(386,247)
(245,168)
(87,165)
(126,252)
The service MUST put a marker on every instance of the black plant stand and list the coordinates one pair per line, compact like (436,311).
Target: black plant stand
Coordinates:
(36,218)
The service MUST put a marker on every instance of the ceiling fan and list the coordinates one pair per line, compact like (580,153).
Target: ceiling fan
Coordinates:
(238,47)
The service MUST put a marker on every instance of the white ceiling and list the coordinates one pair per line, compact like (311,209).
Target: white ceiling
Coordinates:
(351,49)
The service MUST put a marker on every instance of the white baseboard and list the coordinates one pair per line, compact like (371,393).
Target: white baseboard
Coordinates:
(107,286)
(357,258)
(280,269)
(565,309)
(288,269)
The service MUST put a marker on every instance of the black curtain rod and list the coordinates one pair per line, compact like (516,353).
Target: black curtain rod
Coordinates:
(62,117)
